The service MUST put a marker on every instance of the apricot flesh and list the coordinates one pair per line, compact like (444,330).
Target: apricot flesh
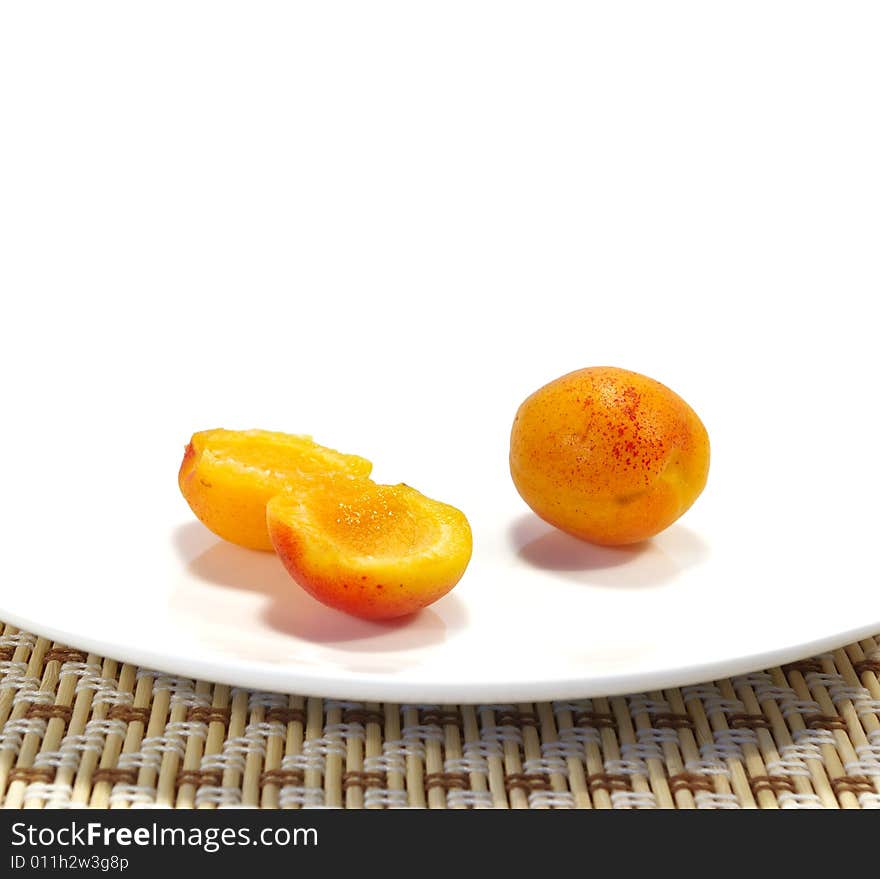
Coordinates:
(228,477)
(608,455)
(373,551)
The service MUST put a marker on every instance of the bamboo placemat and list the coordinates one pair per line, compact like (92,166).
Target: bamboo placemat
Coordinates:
(79,730)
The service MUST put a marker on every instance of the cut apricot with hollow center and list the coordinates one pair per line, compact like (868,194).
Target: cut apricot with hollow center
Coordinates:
(228,476)
(375,551)
(375,522)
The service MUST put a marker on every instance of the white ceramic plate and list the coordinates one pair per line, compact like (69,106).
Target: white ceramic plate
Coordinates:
(388,243)
(538,615)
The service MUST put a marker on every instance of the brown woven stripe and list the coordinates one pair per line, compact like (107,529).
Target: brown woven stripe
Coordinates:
(282,777)
(864,665)
(48,712)
(670,720)
(127,714)
(433,717)
(527,781)
(852,784)
(63,654)
(359,715)
(748,721)
(595,719)
(285,715)
(207,714)
(690,781)
(6,654)
(608,782)
(447,780)
(516,718)
(114,776)
(30,775)
(824,721)
(362,779)
(199,777)
(804,666)
(775,783)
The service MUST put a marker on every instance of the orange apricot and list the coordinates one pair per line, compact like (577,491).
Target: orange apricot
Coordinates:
(608,455)
(228,476)
(373,551)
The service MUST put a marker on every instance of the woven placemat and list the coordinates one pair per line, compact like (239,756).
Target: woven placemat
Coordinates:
(79,730)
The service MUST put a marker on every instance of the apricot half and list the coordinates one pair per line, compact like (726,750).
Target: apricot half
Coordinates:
(228,476)
(608,455)
(374,551)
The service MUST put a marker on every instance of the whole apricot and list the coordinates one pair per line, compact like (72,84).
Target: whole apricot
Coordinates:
(228,477)
(608,455)
(373,551)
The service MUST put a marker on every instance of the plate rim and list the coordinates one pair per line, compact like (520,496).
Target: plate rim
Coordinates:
(253,675)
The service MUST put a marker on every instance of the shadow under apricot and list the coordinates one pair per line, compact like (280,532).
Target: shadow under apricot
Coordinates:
(544,546)
(292,611)
(642,565)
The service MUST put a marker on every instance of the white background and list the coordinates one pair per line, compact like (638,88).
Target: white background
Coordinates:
(386,223)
